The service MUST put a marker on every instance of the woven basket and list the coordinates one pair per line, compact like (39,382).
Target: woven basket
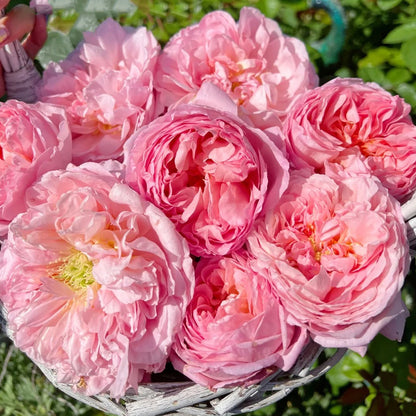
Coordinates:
(188,398)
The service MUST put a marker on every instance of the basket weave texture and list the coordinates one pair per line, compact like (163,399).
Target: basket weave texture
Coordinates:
(191,399)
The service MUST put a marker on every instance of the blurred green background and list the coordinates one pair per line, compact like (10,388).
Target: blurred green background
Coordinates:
(378,43)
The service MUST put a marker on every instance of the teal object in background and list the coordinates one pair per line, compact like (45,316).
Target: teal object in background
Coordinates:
(331,46)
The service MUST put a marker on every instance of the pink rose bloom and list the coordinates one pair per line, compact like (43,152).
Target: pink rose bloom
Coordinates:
(338,252)
(34,138)
(261,69)
(106,88)
(236,331)
(346,114)
(95,279)
(210,172)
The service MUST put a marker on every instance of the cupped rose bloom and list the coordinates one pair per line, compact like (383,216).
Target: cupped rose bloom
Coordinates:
(34,138)
(261,69)
(236,331)
(95,279)
(338,252)
(210,172)
(346,114)
(106,88)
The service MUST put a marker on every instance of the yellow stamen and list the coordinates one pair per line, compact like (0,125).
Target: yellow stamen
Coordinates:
(82,383)
(76,271)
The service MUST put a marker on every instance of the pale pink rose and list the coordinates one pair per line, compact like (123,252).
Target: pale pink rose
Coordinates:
(106,88)
(236,331)
(261,69)
(338,253)
(34,138)
(95,279)
(349,113)
(210,172)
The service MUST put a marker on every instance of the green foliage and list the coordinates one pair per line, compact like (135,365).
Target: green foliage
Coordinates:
(378,47)
(24,391)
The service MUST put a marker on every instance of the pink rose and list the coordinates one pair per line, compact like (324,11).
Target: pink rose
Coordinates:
(261,69)
(210,172)
(236,331)
(34,138)
(95,279)
(106,88)
(346,114)
(338,252)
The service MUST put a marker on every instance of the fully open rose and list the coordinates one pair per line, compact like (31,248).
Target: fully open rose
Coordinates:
(34,138)
(347,115)
(337,250)
(236,331)
(106,88)
(261,69)
(211,173)
(95,280)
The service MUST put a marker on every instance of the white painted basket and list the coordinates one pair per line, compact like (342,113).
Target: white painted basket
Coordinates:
(188,398)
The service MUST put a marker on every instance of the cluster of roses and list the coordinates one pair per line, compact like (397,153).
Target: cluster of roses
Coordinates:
(207,204)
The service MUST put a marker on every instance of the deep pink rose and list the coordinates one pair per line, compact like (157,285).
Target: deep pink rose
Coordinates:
(338,251)
(34,138)
(236,331)
(95,279)
(346,114)
(210,172)
(106,88)
(261,69)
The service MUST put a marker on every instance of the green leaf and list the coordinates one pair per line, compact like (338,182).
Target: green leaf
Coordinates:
(98,6)
(408,92)
(348,370)
(159,9)
(57,47)
(360,411)
(376,57)
(397,356)
(123,7)
(408,52)
(398,75)
(87,22)
(62,4)
(401,33)
(372,75)
(388,4)
(266,411)
(270,8)
(344,73)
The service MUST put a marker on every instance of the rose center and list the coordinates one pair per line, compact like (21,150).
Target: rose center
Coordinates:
(76,271)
